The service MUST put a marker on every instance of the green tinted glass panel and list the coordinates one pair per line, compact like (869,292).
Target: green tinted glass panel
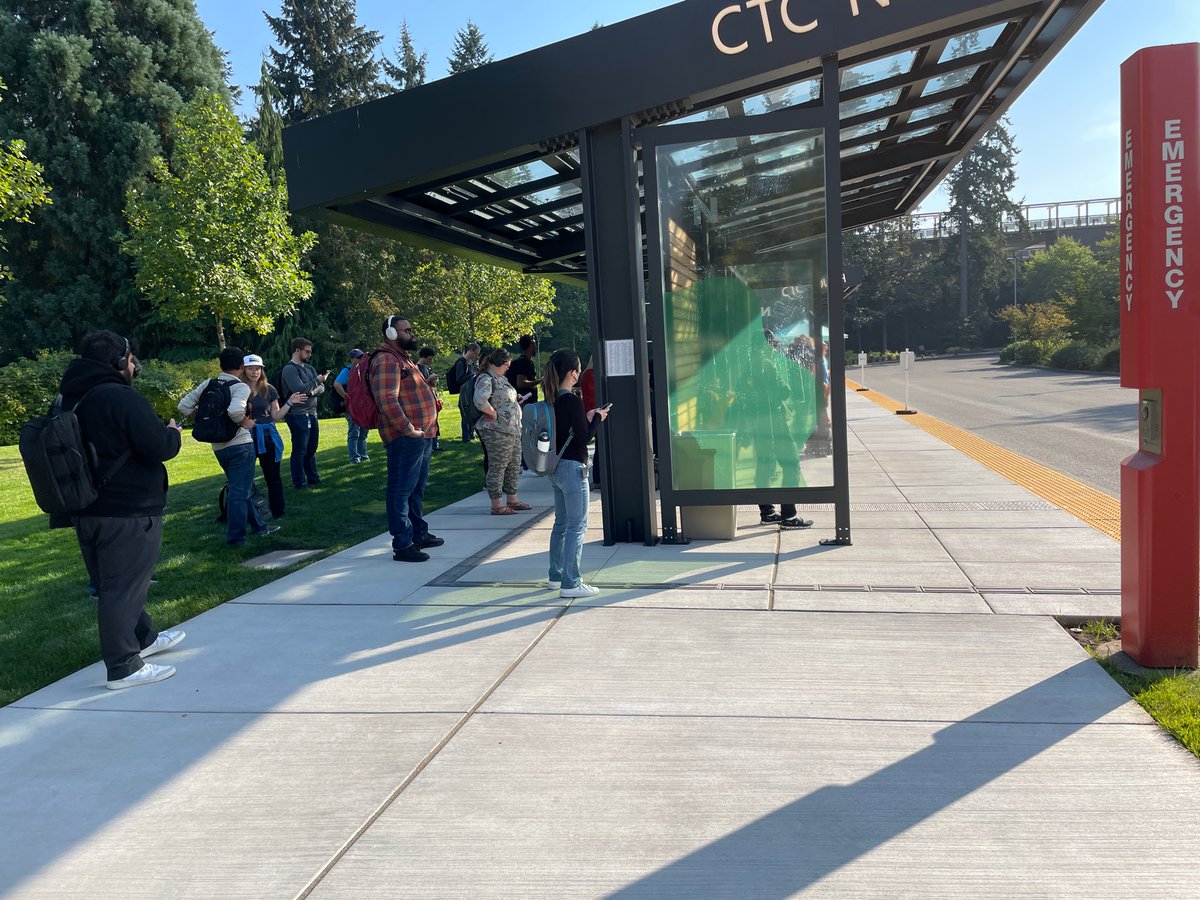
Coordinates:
(747,311)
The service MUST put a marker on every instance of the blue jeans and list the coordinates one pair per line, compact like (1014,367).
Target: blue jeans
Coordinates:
(305,435)
(407,472)
(356,440)
(238,463)
(570,521)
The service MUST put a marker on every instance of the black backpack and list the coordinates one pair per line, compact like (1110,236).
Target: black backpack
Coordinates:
(337,403)
(256,497)
(466,402)
(60,463)
(212,424)
(453,385)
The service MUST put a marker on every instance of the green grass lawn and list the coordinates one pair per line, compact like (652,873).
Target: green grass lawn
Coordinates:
(48,622)
(1172,699)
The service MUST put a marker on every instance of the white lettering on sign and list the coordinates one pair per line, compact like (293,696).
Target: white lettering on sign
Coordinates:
(765,20)
(854,5)
(1173,148)
(1128,220)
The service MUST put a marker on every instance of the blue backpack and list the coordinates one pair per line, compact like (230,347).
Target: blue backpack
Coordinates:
(539,437)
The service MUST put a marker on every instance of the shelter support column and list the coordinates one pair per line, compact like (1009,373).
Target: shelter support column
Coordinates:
(616,290)
(1160,330)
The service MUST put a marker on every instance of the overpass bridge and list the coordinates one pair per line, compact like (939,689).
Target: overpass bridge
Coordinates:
(1087,221)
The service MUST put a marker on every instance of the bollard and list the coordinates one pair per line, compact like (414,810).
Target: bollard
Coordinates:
(907,360)
(1160,330)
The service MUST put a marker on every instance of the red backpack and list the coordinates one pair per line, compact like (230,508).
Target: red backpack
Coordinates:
(360,401)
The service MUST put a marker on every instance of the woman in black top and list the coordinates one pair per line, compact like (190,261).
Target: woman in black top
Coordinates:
(266,411)
(573,429)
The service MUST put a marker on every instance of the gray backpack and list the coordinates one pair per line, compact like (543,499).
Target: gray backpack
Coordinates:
(539,438)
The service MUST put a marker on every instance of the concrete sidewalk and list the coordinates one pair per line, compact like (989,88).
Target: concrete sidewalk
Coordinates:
(755,718)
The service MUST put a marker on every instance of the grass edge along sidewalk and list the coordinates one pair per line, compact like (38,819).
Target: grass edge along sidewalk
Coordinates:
(1171,698)
(47,620)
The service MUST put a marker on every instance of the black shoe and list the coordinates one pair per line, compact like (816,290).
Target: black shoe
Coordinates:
(770,519)
(411,553)
(300,487)
(795,522)
(430,540)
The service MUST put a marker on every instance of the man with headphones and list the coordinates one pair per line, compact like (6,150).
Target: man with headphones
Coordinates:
(120,534)
(408,425)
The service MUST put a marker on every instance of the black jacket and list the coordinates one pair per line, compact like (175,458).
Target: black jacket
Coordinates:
(114,419)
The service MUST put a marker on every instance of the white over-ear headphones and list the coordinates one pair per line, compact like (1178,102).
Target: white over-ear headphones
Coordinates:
(389,332)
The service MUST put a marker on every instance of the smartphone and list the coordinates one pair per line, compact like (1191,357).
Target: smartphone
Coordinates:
(607,406)
(525,398)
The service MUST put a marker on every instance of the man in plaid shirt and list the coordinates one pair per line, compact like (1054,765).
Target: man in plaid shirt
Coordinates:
(408,425)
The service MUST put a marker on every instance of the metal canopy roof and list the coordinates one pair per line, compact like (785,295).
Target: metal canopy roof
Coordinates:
(485,164)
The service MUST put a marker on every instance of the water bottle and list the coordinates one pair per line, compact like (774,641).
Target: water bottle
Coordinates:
(543,442)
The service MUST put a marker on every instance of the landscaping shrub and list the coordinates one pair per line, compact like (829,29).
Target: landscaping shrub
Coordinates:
(1110,359)
(28,387)
(1076,356)
(955,351)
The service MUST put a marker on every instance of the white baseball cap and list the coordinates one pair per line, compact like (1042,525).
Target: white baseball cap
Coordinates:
(252,360)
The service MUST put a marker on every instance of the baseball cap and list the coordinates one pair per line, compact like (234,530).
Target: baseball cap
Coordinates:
(356,353)
(252,360)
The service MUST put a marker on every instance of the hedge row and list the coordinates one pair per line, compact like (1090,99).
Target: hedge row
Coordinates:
(1059,355)
(28,387)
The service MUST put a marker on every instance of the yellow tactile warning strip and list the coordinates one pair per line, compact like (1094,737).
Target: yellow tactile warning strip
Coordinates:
(1087,504)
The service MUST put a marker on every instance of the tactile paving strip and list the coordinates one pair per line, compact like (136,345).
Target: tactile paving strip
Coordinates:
(1093,507)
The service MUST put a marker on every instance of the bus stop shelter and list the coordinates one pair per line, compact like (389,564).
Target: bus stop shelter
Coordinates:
(694,167)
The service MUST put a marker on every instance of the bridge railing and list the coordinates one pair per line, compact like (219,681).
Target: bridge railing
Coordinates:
(1038,217)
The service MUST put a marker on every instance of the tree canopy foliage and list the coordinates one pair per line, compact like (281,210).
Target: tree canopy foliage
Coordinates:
(94,87)
(21,186)
(470,50)
(210,233)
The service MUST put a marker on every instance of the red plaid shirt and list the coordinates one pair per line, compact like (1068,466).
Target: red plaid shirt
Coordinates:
(402,395)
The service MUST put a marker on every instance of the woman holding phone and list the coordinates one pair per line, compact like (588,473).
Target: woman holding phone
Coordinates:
(266,411)
(574,427)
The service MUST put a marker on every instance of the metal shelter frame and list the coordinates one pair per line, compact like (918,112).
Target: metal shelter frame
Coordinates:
(534,162)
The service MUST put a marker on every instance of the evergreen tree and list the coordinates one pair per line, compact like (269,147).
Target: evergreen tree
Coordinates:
(266,129)
(980,189)
(409,70)
(210,235)
(94,87)
(323,61)
(470,50)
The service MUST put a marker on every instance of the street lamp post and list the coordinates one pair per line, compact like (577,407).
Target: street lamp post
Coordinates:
(1014,259)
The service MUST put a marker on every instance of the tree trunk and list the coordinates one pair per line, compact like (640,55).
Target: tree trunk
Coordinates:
(220,332)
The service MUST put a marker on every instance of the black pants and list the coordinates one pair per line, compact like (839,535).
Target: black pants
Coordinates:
(787,510)
(274,480)
(120,555)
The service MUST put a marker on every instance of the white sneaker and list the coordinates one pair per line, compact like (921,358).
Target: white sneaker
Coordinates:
(165,641)
(554,585)
(583,590)
(147,674)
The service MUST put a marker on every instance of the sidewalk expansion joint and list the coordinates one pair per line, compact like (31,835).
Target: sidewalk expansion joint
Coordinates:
(450,577)
(425,761)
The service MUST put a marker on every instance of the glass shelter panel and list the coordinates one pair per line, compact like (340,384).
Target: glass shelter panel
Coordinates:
(746,310)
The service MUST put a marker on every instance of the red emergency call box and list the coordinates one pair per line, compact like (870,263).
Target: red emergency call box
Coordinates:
(1160,353)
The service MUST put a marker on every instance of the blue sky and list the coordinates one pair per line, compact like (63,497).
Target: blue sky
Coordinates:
(1066,123)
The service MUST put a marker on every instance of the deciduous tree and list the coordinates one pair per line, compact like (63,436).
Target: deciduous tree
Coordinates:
(210,234)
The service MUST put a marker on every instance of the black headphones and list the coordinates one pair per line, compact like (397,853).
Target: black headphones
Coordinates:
(123,360)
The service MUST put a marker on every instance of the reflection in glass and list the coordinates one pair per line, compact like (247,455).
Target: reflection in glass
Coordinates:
(746,311)
(949,81)
(972,42)
(934,109)
(878,69)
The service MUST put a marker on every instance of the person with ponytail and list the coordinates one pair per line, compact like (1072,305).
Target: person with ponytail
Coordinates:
(574,428)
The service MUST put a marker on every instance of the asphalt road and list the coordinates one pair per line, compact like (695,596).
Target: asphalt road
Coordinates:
(1078,423)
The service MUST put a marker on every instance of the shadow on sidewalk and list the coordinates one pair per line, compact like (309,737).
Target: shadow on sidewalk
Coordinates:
(793,848)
